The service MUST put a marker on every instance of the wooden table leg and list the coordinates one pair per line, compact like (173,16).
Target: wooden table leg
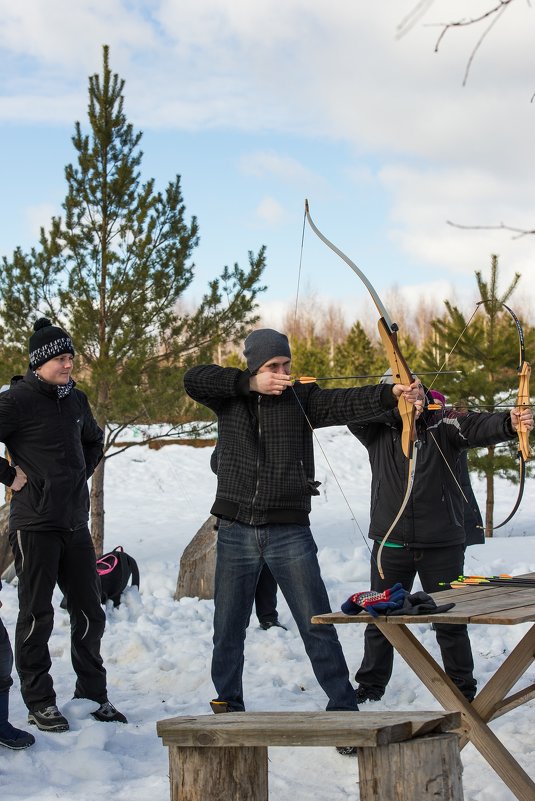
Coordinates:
(232,774)
(477,731)
(489,700)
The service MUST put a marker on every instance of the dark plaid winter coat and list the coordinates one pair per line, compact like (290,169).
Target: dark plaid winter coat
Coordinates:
(265,454)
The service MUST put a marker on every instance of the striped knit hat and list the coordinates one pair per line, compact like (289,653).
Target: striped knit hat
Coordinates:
(46,342)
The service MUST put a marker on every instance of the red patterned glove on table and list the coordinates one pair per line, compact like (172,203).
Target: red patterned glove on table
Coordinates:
(376,603)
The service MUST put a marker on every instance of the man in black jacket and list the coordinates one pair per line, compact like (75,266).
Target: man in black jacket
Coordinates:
(429,539)
(54,444)
(265,481)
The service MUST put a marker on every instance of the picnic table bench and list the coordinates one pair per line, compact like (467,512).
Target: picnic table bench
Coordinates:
(402,756)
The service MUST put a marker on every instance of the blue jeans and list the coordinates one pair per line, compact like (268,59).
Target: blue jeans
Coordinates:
(290,553)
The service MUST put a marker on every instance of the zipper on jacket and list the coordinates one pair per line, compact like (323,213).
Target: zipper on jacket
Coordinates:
(259,428)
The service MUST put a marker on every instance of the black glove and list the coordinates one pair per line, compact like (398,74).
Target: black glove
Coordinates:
(420,603)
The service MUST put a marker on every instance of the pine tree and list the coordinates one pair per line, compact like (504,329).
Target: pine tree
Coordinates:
(112,273)
(355,356)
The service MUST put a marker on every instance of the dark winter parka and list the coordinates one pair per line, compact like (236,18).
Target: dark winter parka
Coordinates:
(265,453)
(434,514)
(58,444)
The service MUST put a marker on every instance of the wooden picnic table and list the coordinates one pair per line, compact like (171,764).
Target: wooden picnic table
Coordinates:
(488,605)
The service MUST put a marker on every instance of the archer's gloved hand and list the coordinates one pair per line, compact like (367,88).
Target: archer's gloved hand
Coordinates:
(376,603)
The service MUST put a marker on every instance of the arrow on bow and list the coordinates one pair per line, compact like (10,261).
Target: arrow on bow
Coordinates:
(401,374)
(311,379)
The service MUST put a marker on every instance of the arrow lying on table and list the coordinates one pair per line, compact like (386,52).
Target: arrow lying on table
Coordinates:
(503,580)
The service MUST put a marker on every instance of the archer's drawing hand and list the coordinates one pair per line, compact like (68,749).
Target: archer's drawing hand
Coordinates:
(522,418)
(20,479)
(269,383)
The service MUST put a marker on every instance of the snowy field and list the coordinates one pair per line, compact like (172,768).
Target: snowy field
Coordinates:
(157,651)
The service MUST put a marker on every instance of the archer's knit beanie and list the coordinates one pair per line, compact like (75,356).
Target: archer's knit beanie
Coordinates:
(436,395)
(46,342)
(263,345)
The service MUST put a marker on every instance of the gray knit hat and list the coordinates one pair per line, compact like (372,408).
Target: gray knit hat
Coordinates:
(46,342)
(263,345)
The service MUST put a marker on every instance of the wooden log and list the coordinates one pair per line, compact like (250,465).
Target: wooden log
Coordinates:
(218,774)
(425,769)
(197,564)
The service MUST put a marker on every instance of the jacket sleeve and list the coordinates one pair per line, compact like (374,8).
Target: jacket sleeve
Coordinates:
(476,429)
(8,424)
(212,385)
(358,405)
(92,441)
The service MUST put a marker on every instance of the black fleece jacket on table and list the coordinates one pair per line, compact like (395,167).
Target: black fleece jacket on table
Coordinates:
(434,514)
(265,451)
(58,444)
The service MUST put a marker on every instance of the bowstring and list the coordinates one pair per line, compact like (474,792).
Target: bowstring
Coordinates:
(299,271)
(315,436)
(522,358)
(322,449)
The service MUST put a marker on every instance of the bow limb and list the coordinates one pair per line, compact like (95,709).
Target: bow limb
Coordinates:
(401,374)
(388,333)
(523,401)
(410,482)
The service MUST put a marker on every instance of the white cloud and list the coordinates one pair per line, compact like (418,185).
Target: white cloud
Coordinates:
(320,71)
(270,210)
(268,163)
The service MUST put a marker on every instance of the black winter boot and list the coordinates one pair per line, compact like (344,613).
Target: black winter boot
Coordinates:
(10,737)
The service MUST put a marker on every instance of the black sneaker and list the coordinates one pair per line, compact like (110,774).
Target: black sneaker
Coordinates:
(48,719)
(13,738)
(269,624)
(364,694)
(347,750)
(107,713)
(220,706)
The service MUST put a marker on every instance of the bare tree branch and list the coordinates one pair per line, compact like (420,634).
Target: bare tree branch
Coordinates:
(493,14)
(520,232)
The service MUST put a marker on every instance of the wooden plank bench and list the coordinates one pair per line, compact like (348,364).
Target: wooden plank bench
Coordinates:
(402,756)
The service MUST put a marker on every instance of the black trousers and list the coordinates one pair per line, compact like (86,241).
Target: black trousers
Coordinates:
(42,559)
(432,565)
(6,660)
(266,597)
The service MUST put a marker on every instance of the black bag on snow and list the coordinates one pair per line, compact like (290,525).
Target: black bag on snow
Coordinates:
(116,569)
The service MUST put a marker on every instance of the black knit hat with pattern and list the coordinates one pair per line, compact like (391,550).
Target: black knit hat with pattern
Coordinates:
(46,342)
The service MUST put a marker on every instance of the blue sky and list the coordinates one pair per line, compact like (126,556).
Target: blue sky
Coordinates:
(258,105)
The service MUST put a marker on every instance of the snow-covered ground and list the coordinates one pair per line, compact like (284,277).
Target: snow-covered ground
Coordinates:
(157,651)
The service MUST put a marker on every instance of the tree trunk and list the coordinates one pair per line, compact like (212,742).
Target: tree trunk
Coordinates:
(197,565)
(489,508)
(97,508)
